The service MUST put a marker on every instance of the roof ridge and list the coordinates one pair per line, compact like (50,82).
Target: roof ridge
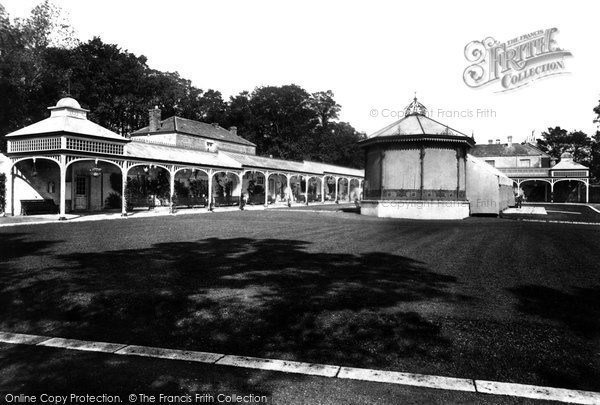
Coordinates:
(444,125)
(374,134)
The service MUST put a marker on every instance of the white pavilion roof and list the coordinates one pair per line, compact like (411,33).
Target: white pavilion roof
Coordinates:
(67,116)
(567,163)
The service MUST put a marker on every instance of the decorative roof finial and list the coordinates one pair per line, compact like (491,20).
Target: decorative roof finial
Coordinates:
(415,108)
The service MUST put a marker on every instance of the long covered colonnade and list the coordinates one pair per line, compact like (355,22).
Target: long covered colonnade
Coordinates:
(80,166)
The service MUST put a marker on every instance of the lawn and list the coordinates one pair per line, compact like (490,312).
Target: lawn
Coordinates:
(480,298)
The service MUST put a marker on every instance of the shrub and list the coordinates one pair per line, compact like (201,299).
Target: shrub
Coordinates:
(2,192)
(113,201)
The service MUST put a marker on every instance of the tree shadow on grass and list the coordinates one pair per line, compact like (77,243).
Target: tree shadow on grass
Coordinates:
(16,245)
(259,297)
(579,310)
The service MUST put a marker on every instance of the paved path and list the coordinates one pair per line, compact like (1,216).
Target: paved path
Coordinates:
(527,210)
(313,369)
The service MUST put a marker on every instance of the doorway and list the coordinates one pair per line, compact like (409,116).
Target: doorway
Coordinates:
(82,184)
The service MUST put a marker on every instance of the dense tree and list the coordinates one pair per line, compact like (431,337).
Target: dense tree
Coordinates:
(41,61)
(555,141)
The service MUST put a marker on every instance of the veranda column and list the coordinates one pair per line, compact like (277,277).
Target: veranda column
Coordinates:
(323,189)
(306,189)
(552,192)
(288,189)
(587,191)
(124,171)
(11,189)
(267,174)
(349,189)
(63,188)
(209,202)
(336,189)
(172,188)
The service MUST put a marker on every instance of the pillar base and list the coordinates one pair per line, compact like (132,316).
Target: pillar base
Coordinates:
(415,209)
(124,214)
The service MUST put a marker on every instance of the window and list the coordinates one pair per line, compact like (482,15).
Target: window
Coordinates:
(51,187)
(80,185)
(524,162)
(491,162)
(209,146)
(260,180)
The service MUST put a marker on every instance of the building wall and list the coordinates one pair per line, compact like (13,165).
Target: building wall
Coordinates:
(516,161)
(169,139)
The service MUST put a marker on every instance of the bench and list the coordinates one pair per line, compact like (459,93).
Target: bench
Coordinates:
(189,202)
(38,207)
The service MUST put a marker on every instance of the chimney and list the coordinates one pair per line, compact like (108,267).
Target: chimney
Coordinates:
(154,119)
(497,141)
(509,141)
(233,130)
(490,141)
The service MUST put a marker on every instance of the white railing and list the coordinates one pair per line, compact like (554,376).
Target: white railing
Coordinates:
(571,173)
(525,171)
(34,145)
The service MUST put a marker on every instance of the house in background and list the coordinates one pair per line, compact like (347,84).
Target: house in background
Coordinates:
(184,133)
(535,172)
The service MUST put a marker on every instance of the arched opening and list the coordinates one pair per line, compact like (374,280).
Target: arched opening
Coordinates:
(314,189)
(569,191)
(253,186)
(536,191)
(93,185)
(329,188)
(355,190)
(191,188)
(297,184)
(343,192)
(148,186)
(34,187)
(226,189)
(276,185)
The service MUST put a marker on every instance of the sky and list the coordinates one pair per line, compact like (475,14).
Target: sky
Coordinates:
(374,55)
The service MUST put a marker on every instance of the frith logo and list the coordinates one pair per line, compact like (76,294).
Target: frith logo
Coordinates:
(515,63)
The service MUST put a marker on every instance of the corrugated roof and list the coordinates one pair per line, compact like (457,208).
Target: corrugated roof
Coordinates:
(143,150)
(293,166)
(65,123)
(267,163)
(335,169)
(503,149)
(197,128)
